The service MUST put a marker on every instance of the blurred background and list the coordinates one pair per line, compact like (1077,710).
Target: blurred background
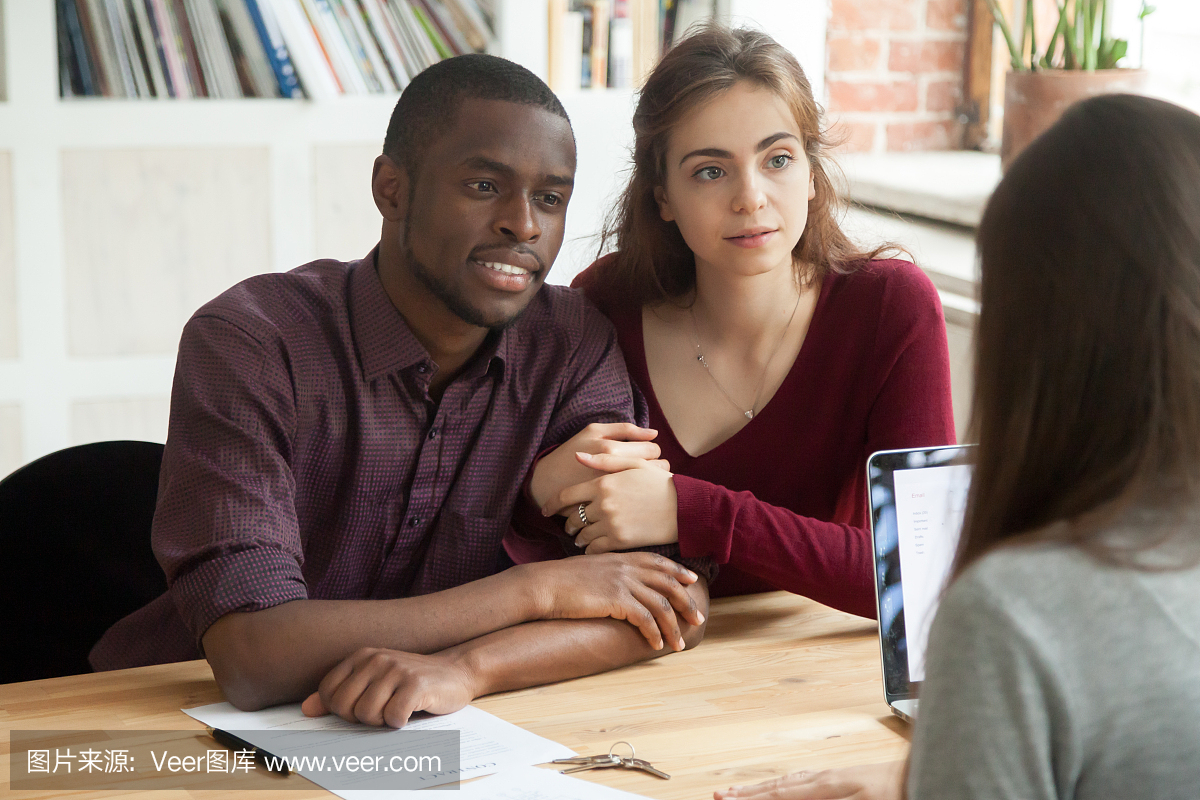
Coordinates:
(155,152)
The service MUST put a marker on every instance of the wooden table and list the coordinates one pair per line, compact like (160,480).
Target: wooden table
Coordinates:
(780,683)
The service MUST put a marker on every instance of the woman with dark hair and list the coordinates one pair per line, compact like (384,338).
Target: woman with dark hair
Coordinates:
(1064,660)
(774,355)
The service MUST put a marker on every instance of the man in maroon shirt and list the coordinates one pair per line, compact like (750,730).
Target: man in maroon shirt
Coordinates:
(348,441)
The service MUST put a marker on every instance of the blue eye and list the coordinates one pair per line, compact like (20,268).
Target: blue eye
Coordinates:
(708,173)
(780,161)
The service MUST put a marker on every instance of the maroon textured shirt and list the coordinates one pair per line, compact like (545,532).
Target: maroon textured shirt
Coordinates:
(782,504)
(306,459)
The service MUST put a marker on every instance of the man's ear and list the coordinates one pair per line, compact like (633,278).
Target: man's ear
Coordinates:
(664,208)
(389,187)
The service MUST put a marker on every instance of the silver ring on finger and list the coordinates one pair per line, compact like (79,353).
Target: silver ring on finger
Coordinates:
(583,515)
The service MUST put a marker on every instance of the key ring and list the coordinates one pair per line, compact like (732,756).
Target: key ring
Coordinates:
(632,752)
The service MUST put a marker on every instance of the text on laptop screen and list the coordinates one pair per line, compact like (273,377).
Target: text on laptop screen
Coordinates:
(929,512)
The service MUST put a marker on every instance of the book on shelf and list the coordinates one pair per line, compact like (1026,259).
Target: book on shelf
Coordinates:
(683,15)
(259,48)
(594,43)
(620,52)
(565,47)
(598,55)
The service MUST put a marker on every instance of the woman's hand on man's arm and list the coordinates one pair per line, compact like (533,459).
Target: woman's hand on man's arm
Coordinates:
(560,468)
(632,504)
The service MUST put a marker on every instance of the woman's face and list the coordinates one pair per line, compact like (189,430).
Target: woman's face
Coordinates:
(738,181)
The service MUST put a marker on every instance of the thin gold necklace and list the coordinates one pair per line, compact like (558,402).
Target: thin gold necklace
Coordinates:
(748,413)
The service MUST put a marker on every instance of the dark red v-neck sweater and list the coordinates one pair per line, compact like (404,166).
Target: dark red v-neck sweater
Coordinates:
(782,504)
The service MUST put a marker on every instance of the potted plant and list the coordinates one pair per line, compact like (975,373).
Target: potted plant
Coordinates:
(1081,59)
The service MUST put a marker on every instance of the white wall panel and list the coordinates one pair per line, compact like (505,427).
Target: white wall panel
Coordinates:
(8,263)
(11,452)
(138,418)
(603,124)
(150,235)
(346,219)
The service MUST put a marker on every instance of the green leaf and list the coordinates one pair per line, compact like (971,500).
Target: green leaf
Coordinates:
(1031,32)
(1114,52)
(1018,63)
(1060,31)
(1089,30)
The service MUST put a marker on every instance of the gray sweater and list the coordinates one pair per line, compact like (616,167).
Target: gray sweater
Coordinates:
(1053,675)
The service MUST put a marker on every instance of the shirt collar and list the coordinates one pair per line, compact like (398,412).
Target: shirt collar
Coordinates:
(386,344)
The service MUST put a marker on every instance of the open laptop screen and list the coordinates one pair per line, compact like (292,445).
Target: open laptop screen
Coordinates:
(917,502)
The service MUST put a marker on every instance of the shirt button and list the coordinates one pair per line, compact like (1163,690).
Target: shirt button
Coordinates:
(421,368)
(414,522)
(433,433)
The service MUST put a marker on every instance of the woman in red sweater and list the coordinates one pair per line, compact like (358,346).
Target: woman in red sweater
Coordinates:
(773,354)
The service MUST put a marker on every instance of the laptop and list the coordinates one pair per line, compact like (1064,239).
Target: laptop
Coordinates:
(918,497)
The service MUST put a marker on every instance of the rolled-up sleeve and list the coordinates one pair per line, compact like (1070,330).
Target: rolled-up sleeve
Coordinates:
(225,528)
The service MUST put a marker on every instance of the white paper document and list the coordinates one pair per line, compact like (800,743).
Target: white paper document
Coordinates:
(487,744)
(930,503)
(531,783)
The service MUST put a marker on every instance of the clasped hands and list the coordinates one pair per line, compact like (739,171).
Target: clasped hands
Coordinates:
(615,473)
(612,470)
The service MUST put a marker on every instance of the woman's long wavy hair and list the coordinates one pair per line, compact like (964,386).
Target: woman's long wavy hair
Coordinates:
(653,264)
(1087,371)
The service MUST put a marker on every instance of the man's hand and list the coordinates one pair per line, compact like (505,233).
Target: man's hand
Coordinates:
(634,505)
(870,782)
(644,589)
(380,686)
(386,687)
(560,468)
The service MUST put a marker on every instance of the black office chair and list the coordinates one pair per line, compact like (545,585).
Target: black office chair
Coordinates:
(75,553)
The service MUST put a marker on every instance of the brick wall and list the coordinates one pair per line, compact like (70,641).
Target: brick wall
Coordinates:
(895,73)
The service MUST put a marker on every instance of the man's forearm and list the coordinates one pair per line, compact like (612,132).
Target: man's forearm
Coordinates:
(280,654)
(546,651)
(386,687)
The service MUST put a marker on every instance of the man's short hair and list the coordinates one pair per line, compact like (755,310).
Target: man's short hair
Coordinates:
(430,102)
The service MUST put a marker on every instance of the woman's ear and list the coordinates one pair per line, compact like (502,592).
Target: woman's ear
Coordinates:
(389,187)
(812,184)
(664,208)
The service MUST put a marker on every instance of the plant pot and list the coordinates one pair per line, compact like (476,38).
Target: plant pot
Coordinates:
(1033,101)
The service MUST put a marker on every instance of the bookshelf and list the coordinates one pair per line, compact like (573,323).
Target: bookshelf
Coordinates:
(235,49)
(621,40)
(119,217)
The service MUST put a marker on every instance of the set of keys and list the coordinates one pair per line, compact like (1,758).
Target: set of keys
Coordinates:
(611,760)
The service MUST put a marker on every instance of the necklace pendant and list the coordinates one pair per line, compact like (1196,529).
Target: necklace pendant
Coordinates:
(750,414)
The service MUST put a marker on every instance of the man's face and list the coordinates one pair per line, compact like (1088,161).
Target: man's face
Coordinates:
(488,208)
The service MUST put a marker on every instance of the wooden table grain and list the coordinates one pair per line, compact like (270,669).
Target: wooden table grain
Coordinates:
(780,683)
